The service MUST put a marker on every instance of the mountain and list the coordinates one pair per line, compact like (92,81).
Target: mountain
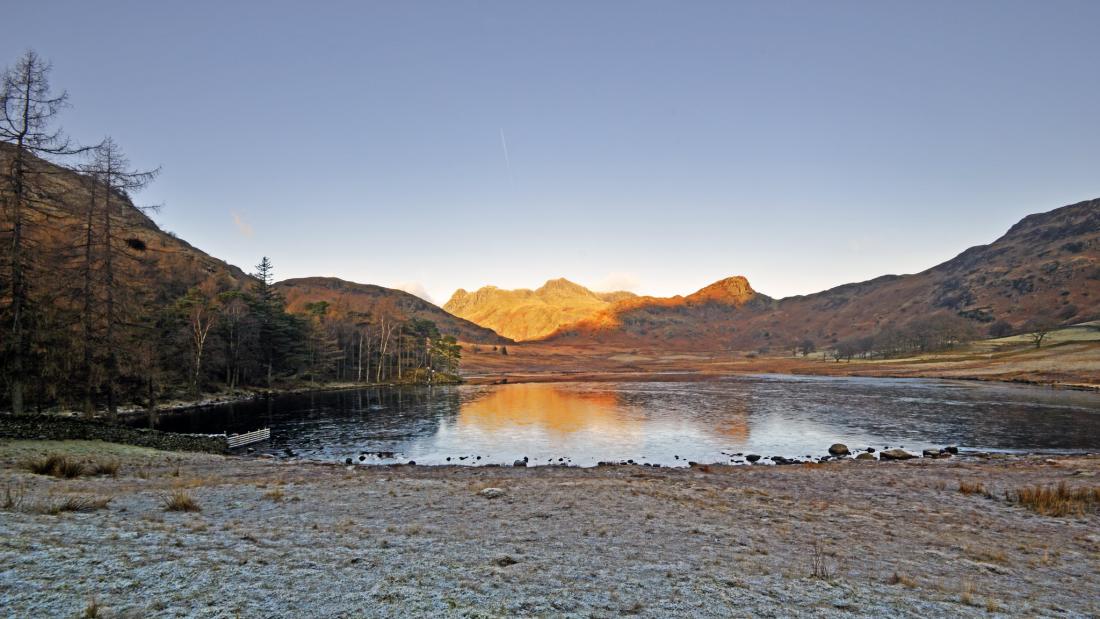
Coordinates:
(1046,266)
(525,314)
(347,297)
(158,262)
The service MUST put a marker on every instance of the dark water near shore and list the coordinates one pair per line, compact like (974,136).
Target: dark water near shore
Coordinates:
(660,422)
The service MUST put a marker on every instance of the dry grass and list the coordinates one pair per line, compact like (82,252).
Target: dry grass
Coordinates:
(973,487)
(91,611)
(275,495)
(1059,500)
(181,501)
(105,467)
(901,579)
(12,497)
(70,504)
(819,567)
(56,466)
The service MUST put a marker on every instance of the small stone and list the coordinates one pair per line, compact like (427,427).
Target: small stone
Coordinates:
(505,561)
(519,463)
(839,449)
(896,454)
(347,461)
(865,456)
(491,493)
(930,453)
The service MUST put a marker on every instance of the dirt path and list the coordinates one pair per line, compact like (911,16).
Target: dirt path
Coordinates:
(296,539)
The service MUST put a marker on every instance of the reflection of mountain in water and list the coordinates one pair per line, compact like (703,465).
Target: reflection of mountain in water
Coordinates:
(550,408)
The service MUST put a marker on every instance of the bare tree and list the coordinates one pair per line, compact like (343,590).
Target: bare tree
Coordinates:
(110,171)
(201,311)
(27,111)
(1038,329)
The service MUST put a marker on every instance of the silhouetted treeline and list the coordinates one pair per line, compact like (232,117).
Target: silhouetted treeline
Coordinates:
(92,321)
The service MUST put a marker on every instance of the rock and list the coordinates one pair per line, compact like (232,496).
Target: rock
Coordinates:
(839,449)
(412,463)
(951,449)
(491,493)
(930,453)
(505,561)
(362,458)
(896,454)
(866,456)
(752,457)
(870,450)
(347,460)
(519,463)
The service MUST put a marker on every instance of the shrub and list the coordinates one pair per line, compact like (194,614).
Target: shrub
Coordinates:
(181,501)
(1000,328)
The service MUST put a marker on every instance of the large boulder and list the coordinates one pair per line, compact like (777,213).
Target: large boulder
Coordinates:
(895,454)
(839,449)
(752,457)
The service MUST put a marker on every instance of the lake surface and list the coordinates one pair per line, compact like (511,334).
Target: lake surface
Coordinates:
(668,423)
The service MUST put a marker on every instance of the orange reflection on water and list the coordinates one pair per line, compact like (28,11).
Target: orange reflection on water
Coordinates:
(550,408)
(735,423)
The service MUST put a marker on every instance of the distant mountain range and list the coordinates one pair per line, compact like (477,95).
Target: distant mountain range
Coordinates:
(531,314)
(1046,265)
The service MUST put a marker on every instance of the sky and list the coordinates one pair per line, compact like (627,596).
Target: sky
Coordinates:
(650,146)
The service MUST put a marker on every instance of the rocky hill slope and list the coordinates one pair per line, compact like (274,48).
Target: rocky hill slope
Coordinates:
(1047,267)
(346,297)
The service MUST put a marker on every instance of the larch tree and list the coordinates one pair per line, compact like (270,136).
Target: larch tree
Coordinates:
(110,171)
(28,108)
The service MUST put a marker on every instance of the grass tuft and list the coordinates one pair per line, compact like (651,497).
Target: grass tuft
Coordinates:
(71,504)
(56,466)
(972,487)
(1060,500)
(181,501)
(105,467)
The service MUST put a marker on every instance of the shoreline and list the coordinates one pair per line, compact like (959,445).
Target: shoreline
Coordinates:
(283,539)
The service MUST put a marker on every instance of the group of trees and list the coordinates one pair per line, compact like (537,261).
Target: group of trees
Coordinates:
(92,321)
(930,334)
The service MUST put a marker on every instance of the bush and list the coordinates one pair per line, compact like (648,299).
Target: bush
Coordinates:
(1067,312)
(1000,328)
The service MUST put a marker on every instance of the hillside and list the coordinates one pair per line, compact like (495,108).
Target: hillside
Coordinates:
(345,297)
(157,261)
(525,314)
(1047,265)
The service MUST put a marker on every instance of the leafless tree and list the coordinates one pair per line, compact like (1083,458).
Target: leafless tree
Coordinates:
(1039,328)
(28,109)
(110,172)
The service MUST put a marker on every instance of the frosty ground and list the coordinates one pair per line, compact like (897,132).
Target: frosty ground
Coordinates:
(294,539)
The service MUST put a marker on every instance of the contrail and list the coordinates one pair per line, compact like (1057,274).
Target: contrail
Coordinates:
(507,159)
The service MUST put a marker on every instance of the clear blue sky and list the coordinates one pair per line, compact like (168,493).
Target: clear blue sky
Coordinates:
(655,145)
